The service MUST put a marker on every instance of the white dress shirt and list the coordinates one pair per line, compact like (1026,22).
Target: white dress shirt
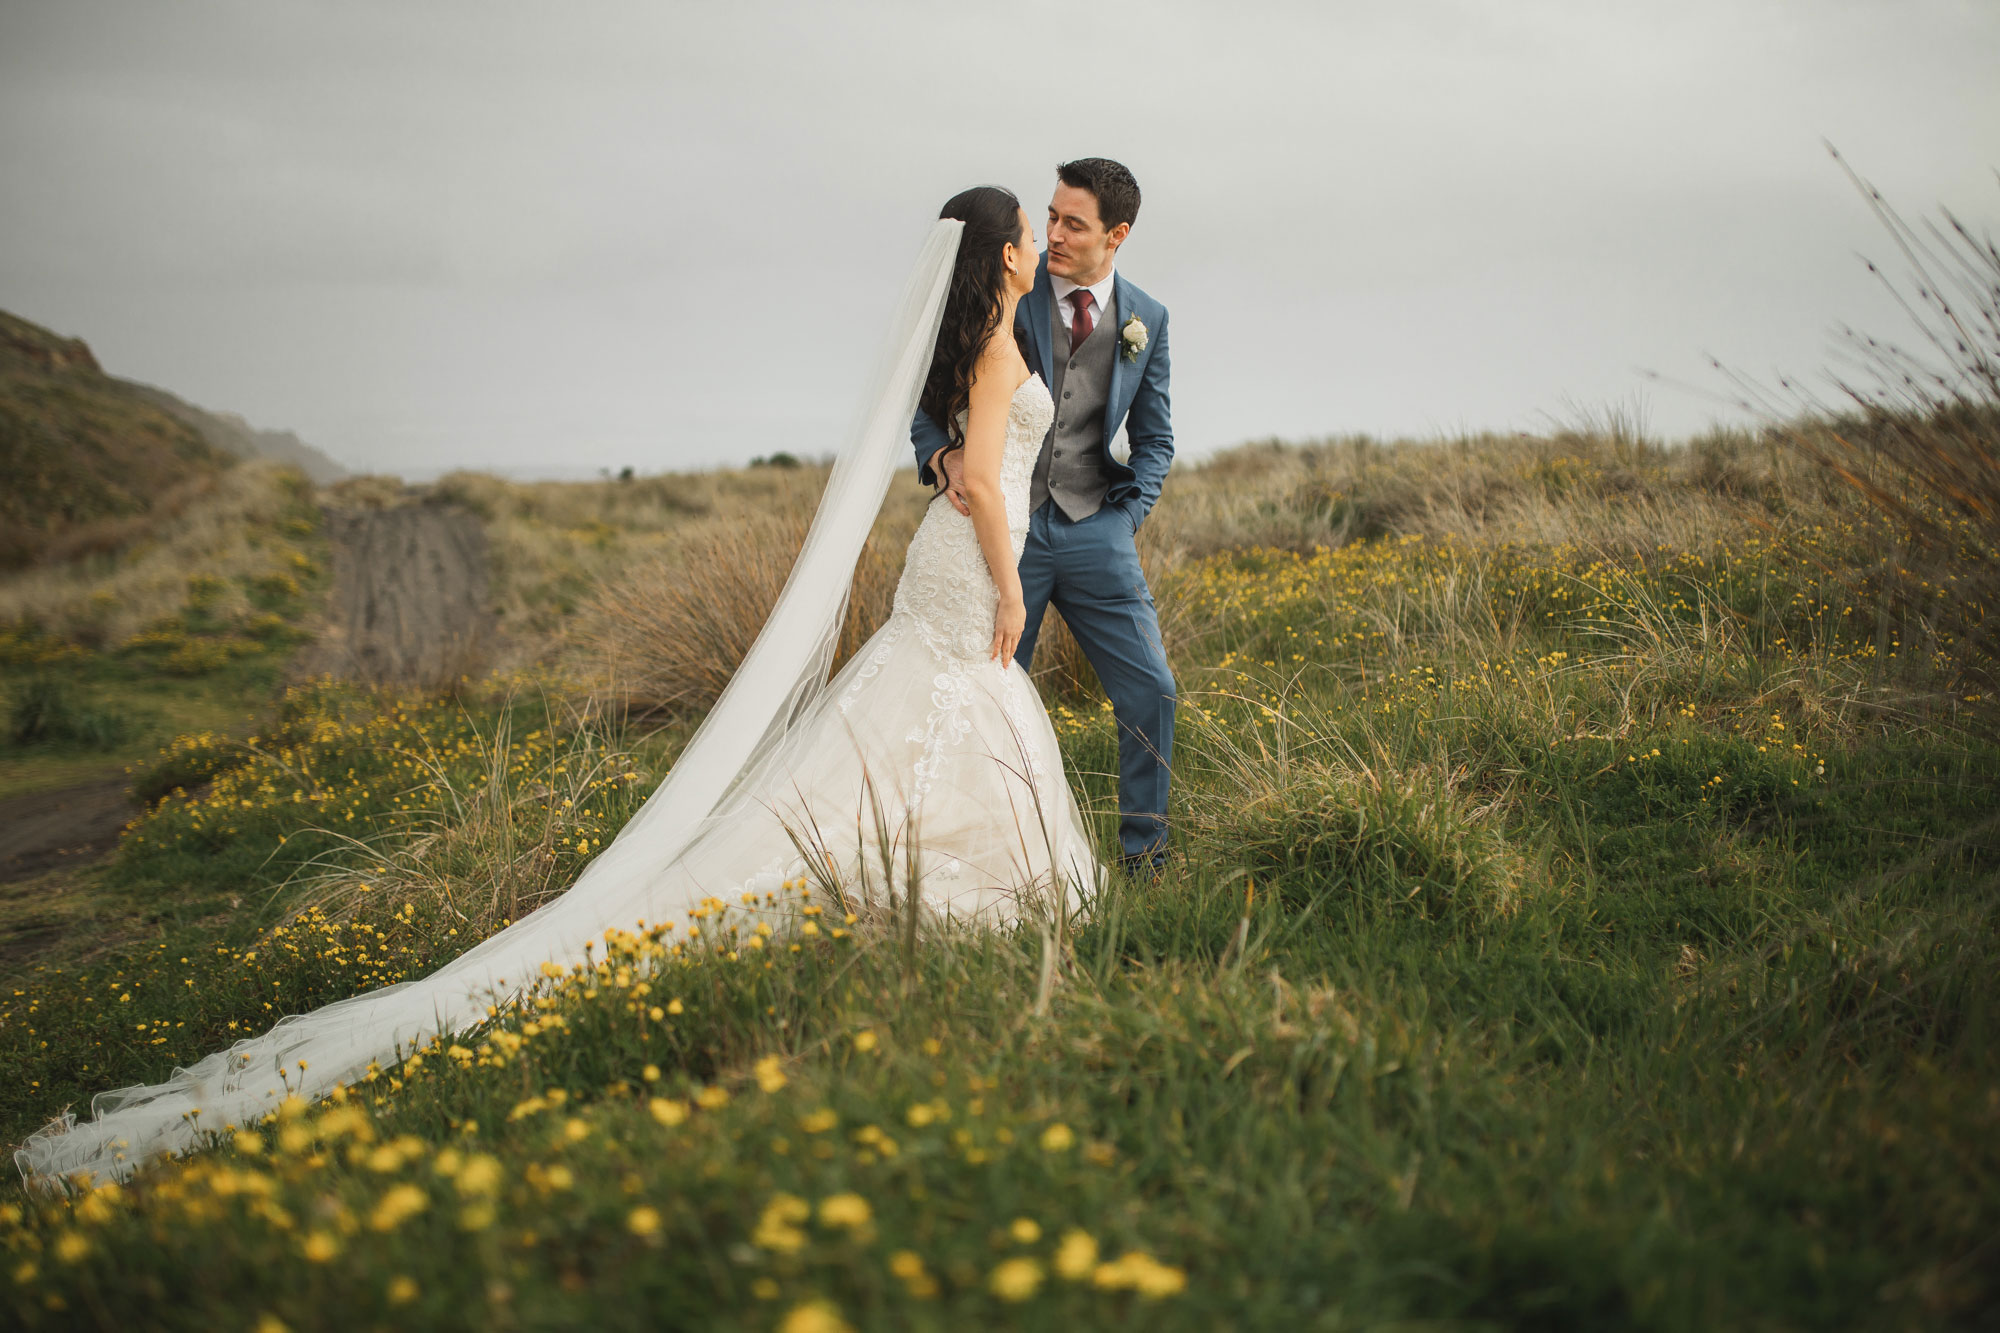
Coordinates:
(1100,298)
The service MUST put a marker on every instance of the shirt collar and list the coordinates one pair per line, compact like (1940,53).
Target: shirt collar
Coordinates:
(1100,292)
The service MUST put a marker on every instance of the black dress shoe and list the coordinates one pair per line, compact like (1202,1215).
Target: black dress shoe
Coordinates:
(1142,867)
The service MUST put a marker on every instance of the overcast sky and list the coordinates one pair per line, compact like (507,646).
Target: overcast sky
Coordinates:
(543,238)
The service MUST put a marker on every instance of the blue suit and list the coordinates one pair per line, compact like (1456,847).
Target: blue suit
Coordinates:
(1090,569)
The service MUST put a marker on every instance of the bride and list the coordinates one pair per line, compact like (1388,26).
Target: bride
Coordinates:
(926,768)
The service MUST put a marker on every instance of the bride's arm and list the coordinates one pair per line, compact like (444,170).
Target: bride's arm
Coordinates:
(992,394)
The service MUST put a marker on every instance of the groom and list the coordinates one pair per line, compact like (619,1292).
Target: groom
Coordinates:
(1100,344)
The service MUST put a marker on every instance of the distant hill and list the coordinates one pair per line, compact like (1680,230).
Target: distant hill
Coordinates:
(80,449)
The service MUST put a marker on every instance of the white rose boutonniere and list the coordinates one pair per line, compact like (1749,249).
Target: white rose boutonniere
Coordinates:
(1132,338)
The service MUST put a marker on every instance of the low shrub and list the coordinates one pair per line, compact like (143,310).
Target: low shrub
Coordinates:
(1392,840)
(49,710)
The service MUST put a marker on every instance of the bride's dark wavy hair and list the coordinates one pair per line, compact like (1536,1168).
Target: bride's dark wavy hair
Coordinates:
(992,218)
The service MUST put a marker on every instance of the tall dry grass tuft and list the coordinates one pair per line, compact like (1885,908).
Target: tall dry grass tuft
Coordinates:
(1919,440)
(674,611)
(553,546)
(672,629)
(220,534)
(482,844)
(1363,819)
(1597,485)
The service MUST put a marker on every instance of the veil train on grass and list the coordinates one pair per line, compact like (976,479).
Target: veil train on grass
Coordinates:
(781,677)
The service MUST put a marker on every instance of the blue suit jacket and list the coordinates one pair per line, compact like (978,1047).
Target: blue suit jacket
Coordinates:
(1138,391)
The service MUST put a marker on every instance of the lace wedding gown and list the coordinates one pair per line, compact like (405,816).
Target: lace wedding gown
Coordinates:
(924,752)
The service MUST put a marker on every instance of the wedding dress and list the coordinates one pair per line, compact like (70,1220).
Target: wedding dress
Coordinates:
(925,760)
(922,764)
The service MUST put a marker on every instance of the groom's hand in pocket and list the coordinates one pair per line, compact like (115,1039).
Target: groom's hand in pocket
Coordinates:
(953,468)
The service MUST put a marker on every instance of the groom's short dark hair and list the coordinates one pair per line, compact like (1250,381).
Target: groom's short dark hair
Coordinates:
(1117,193)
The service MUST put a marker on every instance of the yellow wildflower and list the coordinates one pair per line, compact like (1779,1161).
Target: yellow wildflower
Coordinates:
(771,1073)
(1058,1138)
(643,1221)
(402,1290)
(844,1210)
(479,1175)
(908,1266)
(1015,1279)
(397,1206)
(320,1246)
(100,1204)
(1138,1271)
(778,1229)
(814,1317)
(1076,1255)
(1025,1231)
(668,1111)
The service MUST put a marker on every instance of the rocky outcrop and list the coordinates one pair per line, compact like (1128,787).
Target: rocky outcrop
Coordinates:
(410,603)
(36,346)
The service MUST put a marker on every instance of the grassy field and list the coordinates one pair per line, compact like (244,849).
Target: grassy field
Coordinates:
(1582,916)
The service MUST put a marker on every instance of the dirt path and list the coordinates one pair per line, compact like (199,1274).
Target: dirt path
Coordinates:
(409,607)
(43,830)
(51,906)
(409,603)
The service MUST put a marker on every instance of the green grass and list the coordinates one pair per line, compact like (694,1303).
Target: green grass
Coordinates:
(1556,940)
(150,711)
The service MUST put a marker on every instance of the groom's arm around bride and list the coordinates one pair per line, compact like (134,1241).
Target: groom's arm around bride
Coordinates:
(1147,415)
(1149,425)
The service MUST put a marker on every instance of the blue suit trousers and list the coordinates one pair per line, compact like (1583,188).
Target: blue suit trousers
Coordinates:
(1090,571)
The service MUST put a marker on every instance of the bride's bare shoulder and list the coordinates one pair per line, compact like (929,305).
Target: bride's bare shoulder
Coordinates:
(1001,369)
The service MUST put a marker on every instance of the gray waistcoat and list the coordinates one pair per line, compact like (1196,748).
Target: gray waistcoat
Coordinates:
(1073,467)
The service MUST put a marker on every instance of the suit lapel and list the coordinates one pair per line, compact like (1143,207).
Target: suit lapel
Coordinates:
(1117,400)
(1037,307)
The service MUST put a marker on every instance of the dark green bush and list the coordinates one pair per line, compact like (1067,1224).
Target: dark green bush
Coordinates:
(49,710)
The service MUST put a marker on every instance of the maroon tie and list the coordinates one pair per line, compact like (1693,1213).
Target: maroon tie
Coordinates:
(1080,324)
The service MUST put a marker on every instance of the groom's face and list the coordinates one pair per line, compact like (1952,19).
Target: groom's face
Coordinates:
(1080,248)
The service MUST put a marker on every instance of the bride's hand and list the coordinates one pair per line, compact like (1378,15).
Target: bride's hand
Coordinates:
(1008,622)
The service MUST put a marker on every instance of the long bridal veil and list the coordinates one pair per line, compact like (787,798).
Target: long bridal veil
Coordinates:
(783,673)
